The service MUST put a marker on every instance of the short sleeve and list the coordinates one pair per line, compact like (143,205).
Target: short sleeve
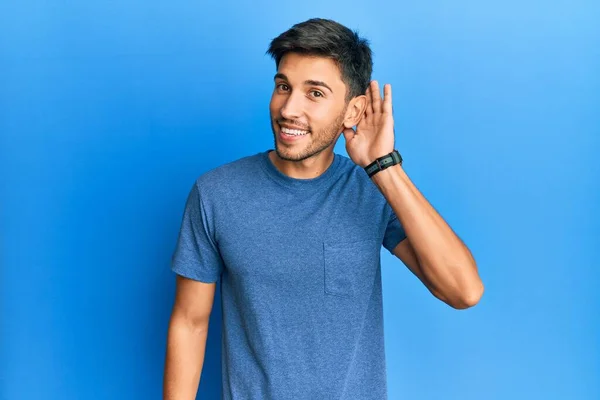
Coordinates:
(394,232)
(196,254)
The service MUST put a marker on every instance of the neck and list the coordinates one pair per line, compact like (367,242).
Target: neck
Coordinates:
(309,168)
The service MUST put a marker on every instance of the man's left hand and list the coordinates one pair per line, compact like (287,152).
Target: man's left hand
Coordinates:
(374,135)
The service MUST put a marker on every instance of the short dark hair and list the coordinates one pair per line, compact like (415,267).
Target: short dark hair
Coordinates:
(327,38)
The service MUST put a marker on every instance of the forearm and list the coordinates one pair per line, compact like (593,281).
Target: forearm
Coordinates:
(445,261)
(186,347)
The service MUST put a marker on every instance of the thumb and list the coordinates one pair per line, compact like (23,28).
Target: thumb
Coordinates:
(348,134)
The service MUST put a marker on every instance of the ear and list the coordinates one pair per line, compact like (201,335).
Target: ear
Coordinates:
(356,110)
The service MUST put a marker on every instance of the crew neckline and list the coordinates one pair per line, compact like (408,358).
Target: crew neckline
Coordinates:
(297,183)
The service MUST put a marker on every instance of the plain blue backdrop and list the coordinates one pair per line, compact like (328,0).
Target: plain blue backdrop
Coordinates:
(110,110)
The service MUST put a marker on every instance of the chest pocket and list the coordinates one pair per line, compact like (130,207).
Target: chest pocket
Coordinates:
(350,267)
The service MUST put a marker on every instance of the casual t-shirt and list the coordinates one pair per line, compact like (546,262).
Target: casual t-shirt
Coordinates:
(298,262)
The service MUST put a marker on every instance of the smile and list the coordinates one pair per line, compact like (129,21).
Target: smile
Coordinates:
(293,132)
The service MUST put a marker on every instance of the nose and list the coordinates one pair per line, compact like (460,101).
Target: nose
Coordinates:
(292,108)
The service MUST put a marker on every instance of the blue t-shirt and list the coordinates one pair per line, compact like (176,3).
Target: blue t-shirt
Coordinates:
(300,275)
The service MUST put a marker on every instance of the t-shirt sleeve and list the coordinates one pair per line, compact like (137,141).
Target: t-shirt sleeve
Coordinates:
(196,254)
(394,232)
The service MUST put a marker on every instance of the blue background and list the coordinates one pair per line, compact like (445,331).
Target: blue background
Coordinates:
(109,111)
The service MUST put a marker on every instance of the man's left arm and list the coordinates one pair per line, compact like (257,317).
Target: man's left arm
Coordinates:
(431,250)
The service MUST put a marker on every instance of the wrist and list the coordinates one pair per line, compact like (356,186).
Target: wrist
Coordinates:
(382,163)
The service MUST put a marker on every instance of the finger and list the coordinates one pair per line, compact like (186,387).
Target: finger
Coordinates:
(368,109)
(376,97)
(387,98)
(348,134)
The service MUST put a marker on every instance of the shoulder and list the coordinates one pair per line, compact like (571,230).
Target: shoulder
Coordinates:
(228,177)
(356,176)
(357,183)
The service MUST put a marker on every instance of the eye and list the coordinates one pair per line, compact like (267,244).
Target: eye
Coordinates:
(317,93)
(282,86)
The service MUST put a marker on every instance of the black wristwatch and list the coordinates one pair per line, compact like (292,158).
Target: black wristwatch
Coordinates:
(383,162)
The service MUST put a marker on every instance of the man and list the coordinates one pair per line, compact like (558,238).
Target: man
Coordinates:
(294,234)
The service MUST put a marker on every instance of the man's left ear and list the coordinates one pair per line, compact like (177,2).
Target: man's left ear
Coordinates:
(356,110)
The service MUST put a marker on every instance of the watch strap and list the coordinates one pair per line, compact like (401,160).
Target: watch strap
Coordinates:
(384,162)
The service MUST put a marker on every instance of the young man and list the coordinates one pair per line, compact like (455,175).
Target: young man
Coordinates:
(294,235)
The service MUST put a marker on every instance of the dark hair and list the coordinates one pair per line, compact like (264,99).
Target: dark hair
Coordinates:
(327,38)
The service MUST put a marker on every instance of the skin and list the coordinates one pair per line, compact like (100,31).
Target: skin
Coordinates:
(431,251)
(308,106)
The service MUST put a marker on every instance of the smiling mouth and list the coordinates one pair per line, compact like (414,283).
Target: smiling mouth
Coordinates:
(294,132)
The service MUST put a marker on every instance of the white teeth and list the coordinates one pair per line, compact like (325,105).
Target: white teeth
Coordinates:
(294,132)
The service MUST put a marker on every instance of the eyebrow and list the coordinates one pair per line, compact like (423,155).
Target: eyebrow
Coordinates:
(311,82)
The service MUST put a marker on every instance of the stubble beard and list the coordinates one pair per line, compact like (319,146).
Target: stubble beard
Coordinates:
(320,141)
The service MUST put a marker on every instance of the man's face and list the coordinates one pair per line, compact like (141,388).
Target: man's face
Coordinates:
(309,98)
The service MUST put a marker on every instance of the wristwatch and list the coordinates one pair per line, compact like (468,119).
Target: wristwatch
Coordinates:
(383,162)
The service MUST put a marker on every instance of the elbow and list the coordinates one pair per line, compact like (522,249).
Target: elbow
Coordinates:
(468,298)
